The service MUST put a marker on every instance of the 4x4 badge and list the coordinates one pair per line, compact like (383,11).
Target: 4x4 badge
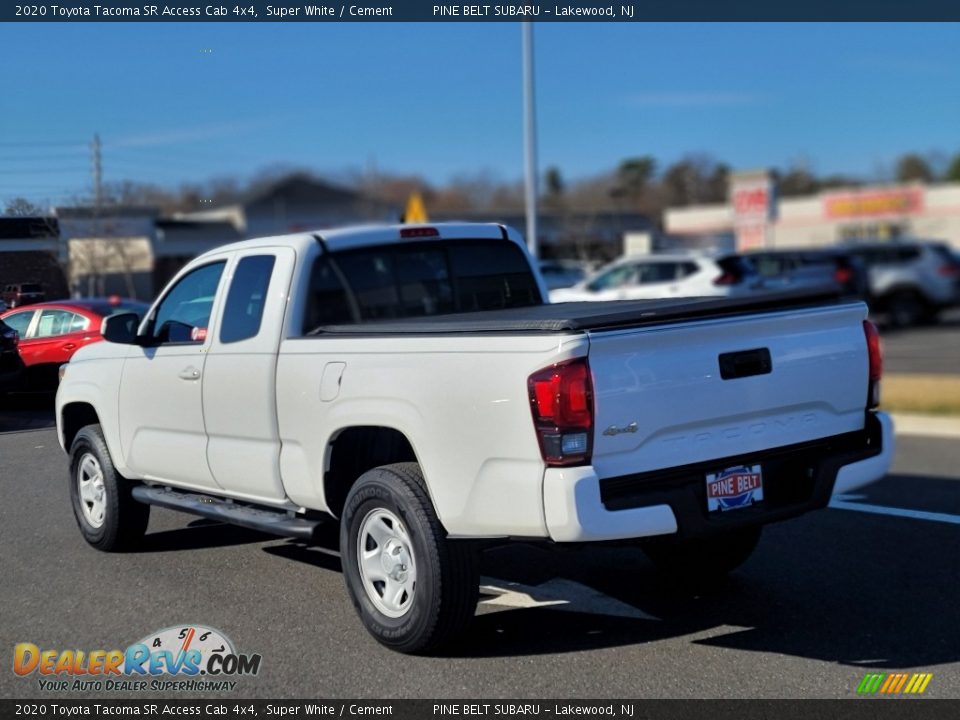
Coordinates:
(614,430)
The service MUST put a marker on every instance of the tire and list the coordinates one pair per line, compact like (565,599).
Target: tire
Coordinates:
(107,515)
(702,561)
(905,309)
(418,590)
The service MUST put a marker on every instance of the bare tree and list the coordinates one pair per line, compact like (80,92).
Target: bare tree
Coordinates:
(21,207)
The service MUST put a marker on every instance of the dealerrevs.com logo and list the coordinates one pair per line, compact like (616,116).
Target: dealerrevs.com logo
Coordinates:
(184,657)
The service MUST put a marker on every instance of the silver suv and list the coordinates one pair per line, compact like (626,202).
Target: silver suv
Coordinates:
(910,282)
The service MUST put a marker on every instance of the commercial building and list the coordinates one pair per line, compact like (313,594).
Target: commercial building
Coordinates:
(755,217)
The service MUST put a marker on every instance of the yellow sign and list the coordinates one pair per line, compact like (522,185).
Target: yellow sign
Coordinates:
(415,212)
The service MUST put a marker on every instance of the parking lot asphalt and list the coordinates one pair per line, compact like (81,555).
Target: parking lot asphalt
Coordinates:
(925,349)
(825,599)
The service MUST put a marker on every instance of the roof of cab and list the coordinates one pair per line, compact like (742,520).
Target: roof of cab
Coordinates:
(347,238)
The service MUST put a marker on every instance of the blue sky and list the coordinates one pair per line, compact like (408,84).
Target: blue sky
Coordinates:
(441,100)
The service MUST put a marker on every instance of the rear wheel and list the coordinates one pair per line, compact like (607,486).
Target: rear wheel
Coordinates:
(107,515)
(702,561)
(905,308)
(413,588)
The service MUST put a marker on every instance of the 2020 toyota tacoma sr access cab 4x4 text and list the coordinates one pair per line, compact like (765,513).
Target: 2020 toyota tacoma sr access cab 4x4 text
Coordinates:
(412,384)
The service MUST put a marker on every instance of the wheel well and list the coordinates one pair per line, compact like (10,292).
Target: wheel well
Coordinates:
(75,417)
(892,292)
(356,450)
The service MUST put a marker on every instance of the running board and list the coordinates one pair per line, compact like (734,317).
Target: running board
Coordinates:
(277,522)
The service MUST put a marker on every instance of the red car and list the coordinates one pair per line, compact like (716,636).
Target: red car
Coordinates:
(51,332)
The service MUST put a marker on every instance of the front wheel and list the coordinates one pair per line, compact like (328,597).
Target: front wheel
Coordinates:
(413,588)
(107,515)
(702,561)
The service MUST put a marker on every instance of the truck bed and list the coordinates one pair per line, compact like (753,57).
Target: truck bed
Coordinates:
(583,316)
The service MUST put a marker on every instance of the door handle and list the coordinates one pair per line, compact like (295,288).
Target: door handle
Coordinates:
(69,346)
(190,373)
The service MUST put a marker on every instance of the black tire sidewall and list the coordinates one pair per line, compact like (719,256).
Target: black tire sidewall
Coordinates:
(369,494)
(90,440)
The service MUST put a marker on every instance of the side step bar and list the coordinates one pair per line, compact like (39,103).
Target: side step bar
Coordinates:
(278,522)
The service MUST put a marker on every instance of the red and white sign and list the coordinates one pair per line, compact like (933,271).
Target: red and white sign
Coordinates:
(734,488)
(753,199)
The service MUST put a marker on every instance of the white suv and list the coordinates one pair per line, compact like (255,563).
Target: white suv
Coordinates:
(640,277)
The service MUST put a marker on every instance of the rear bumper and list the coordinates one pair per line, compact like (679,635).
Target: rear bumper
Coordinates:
(579,507)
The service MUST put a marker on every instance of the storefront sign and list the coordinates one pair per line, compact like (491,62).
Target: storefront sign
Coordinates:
(872,203)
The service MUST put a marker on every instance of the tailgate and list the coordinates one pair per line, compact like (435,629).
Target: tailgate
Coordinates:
(661,398)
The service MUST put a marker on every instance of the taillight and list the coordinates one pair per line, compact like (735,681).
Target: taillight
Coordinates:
(728,278)
(949,270)
(875,356)
(842,275)
(561,399)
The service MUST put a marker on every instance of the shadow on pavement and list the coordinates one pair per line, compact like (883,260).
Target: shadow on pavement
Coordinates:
(200,534)
(26,411)
(843,587)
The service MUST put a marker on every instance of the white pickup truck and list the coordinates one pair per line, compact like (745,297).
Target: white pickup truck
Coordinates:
(412,384)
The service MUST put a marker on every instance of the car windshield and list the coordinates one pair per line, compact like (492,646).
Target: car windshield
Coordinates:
(30,288)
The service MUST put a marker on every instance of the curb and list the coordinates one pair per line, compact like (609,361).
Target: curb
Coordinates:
(926,425)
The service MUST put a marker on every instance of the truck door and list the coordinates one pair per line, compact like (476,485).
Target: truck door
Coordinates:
(161,412)
(239,385)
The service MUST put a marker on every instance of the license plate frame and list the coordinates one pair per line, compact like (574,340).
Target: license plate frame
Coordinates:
(734,488)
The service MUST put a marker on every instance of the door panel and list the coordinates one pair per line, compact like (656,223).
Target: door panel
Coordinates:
(239,386)
(162,429)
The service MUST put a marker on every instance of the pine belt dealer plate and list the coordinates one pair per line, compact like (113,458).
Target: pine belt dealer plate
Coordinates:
(734,488)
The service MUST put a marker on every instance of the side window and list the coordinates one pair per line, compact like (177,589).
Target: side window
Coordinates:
(53,322)
(248,294)
(327,303)
(657,272)
(79,323)
(614,278)
(184,314)
(20,321)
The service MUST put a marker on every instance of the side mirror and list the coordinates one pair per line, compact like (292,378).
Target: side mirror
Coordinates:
(121,328)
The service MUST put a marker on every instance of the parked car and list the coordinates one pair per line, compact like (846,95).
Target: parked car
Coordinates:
(558,274)
(636,277)
(909,281)
(412,385)
(51,332)
(10,364)
(796,267)
(23,294)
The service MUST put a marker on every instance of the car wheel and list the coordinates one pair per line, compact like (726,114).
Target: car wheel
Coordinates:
(413,588)
(702,561)
(905,309)
(108,516)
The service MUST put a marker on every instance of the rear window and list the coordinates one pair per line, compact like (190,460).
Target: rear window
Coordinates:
(945,255)
(414,280)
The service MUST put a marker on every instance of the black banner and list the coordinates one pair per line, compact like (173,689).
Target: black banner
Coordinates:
(420,11)
(860,709)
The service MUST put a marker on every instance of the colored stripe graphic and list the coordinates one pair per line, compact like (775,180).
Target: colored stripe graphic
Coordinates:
(894,683)
(870,683)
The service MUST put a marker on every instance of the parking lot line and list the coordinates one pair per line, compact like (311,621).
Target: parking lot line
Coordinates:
(895,512)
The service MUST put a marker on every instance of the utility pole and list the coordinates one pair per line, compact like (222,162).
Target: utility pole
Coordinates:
(529,138)
(93,273)
(97,174)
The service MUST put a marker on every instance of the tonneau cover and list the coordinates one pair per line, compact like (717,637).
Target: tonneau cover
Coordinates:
(582,316)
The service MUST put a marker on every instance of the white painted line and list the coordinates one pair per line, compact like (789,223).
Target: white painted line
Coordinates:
(926,425)
(557,594)
(895,512)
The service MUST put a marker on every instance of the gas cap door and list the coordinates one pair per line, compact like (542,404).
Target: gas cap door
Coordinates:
(330,381)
